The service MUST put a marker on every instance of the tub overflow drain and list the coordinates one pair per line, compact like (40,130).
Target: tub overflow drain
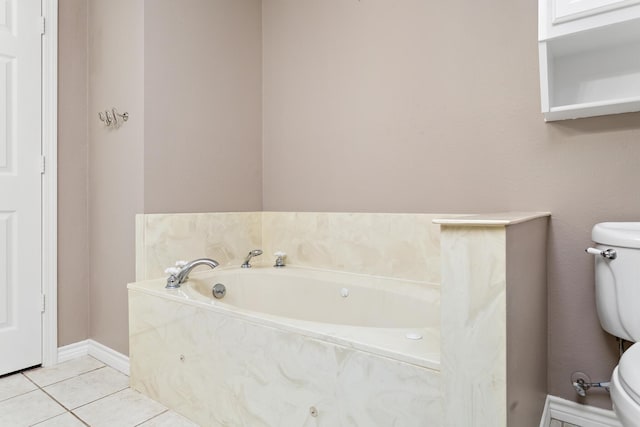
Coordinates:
(219,290)
(344,292)
(313,411)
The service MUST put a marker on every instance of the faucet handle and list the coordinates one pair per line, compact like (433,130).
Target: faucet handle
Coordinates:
(172,271)
(181,263)
(172,281)
(279,259)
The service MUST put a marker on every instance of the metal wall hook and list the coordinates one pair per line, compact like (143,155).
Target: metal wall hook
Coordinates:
(124,116)
(110,117)
(105,116)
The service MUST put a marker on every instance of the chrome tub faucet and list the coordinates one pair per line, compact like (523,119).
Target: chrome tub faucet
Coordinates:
(180,273)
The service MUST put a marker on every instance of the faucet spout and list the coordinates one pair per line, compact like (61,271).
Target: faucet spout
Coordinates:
(178,278)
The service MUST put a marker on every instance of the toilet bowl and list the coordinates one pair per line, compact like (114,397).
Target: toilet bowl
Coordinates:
(625,387)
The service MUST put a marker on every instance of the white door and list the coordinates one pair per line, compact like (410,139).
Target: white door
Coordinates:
(20,185)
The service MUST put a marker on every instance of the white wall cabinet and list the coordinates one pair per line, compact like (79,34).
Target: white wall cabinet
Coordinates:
(589,57)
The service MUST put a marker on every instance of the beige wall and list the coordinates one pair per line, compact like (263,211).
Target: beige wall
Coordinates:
(526,306)
(411,106)
(203,124)
(190,77)
(116,179)
(73,241)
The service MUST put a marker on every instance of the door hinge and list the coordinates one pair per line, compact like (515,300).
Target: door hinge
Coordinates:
(42,25)
(43,303)
(43,164)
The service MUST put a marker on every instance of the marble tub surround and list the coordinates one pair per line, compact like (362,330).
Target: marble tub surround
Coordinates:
(486,357)
(404,246)
(493,322)
(219,369)
(162,239)
(490,220)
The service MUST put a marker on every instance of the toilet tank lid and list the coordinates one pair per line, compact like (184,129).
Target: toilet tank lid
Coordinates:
(629,369)
(624,234)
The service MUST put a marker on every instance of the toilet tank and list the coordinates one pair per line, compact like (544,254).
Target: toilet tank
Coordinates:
(618,280)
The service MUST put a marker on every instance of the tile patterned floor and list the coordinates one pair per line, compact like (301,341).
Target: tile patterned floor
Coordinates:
(80,392)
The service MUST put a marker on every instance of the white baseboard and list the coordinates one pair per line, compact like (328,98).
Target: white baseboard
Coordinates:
(575,413)
(109,356)
(72,351)
(106,355)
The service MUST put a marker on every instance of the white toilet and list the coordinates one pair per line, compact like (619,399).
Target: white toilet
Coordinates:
(617,255)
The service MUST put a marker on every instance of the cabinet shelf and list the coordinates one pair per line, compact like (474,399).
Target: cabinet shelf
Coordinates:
(591,72)
(591,109)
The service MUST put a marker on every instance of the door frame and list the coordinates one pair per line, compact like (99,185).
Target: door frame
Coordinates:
(50,183)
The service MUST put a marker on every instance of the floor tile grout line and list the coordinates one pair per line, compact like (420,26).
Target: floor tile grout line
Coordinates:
(41,388)
(57,415)
(79,419)
(23,394)
(69,410)
(73,376)
(30,380)
(31,391)
(155,416)
(17,395)
(55,400)
(104,397)
(47,419)
(100,398)
(84,373)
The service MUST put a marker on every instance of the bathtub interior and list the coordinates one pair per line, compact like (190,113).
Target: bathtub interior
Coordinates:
(323,296)
(390,264)
(388,317)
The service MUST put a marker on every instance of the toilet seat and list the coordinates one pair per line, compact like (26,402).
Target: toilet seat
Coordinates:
(629,372)
(627,410)
(625,387)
